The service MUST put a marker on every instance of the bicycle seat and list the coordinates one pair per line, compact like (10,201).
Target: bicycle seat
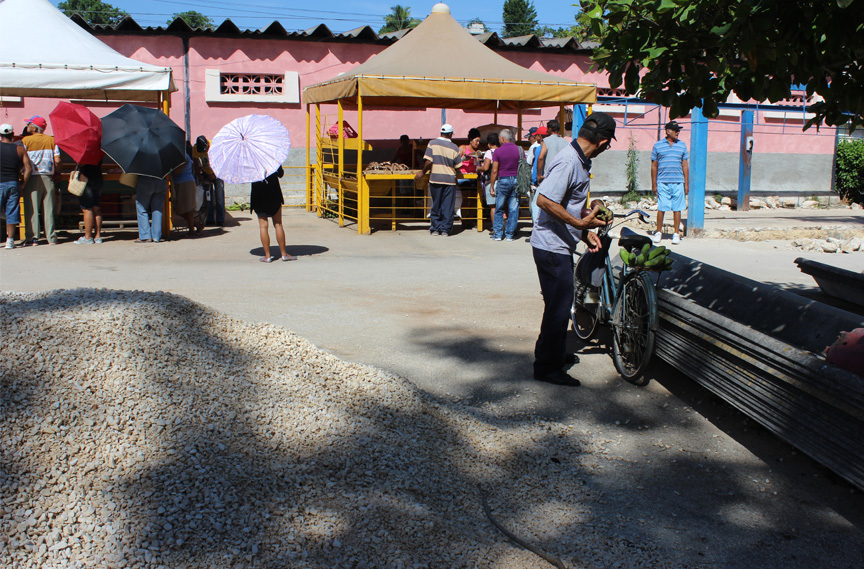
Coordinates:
(631,240)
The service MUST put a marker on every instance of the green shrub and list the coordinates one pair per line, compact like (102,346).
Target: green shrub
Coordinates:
(849,175)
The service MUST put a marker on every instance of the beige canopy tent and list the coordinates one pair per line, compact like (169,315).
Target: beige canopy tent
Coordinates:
(438,65)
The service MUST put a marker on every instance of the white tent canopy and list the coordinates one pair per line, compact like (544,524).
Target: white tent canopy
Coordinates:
(45,54)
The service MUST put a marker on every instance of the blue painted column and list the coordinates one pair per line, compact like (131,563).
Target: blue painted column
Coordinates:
(744,165)
(698,173)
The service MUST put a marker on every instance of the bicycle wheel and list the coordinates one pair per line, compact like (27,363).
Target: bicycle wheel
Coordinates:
(583,316)
(634,320)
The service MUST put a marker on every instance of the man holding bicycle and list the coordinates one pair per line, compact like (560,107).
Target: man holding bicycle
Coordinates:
(560,226)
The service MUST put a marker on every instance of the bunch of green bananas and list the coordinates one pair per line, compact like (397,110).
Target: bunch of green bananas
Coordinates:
(651,259)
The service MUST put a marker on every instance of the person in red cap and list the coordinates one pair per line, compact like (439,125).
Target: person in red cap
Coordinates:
(41,191)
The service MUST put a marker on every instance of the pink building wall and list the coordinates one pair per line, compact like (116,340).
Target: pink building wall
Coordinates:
(320,61)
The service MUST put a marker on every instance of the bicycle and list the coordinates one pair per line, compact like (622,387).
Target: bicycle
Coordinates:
(628,304)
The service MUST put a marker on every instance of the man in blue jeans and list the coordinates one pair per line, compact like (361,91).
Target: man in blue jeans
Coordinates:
(559,228)
(505,167)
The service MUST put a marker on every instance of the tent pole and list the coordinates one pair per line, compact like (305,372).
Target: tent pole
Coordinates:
(562,114)
(341,155)
(362,186)
(308,162)
(165,103)
(321,195)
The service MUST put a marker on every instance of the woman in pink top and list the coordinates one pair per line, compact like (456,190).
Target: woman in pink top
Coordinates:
(469,153)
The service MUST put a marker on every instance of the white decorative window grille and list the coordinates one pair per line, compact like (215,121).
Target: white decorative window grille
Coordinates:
(240,87)
(250,84)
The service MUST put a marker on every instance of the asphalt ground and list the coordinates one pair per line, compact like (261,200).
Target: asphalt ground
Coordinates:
(458,316)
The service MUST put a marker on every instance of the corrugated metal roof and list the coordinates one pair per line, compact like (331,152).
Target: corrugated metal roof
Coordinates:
(363,34)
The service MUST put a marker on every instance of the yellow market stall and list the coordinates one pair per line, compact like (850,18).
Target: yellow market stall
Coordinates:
(437,65)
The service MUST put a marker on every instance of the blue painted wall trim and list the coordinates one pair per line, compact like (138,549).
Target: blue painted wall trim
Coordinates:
(698,171)
(744,160)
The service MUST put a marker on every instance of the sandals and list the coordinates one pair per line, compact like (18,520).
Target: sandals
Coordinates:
(143,241)
(270,259)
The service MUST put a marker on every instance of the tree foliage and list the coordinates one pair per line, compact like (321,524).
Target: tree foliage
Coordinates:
(581,30)
(690,53)
(520,18)
(399,19)
(95,12)
(193,19)
(849,173)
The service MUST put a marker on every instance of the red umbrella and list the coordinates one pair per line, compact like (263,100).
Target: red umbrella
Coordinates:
(78,132)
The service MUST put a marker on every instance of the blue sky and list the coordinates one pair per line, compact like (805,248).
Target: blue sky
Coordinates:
(338,15)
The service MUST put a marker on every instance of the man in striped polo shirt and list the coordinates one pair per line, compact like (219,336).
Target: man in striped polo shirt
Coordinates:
(442,158)
(670,179)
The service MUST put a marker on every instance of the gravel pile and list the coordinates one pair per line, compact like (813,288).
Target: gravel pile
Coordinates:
(144,430)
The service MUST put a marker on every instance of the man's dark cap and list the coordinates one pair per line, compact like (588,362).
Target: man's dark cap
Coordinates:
(672,125)
(532,130)
(600,123)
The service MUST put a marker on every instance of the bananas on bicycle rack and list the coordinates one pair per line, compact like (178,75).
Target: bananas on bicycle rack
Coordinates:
(649,259)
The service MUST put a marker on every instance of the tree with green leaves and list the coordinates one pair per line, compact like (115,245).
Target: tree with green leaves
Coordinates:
(399,19)
(193,19)
(95,12)
(581,30)
(520,18)
(692,53)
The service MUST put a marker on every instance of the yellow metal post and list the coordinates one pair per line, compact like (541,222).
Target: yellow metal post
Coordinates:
(341,172)
(362,185)
(308,162)
(562,115)
(165,103)
(320,195)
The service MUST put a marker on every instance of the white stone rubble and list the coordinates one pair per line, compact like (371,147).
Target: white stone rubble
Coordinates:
(142,430)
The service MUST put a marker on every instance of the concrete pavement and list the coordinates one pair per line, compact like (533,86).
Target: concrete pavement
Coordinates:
(458,317)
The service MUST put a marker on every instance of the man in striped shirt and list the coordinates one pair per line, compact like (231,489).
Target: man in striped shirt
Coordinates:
(442,158)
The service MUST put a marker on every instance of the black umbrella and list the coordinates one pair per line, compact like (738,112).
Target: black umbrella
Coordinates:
(143,141)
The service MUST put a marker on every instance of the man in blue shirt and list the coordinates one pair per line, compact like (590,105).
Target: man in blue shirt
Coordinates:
(670,179)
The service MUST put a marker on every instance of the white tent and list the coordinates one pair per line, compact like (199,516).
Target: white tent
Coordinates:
(45,54)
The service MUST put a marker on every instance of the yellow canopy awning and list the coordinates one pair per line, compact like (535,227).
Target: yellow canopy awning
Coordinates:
(440,65)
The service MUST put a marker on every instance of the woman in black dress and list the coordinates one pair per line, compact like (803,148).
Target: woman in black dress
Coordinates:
(266,201)
(90,203)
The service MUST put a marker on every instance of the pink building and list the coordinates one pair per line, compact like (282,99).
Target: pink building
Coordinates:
(225,73)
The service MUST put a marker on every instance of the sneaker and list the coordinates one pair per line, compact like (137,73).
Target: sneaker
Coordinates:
(97,240)
(497,238)
(33,242)
(508,239)
(676,239)
(658,237)
(434,233)
(83,241)
(10,243)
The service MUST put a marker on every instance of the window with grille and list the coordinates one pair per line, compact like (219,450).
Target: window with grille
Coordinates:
(250,84)
(242,87)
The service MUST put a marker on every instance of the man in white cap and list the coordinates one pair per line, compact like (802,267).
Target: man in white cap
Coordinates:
(14,164)
(442,158)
